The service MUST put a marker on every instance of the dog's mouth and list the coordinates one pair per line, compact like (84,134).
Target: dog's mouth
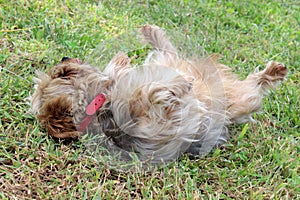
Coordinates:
(78,61)
(71,60)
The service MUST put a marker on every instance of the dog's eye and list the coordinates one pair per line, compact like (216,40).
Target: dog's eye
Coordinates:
(64,59)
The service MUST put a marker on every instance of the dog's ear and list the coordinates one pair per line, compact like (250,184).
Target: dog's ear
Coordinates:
(56,116)
(40,83)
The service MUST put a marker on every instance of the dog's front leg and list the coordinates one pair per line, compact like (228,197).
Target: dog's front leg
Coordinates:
(118,66)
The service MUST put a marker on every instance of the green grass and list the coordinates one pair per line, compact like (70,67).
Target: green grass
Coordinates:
(261,161)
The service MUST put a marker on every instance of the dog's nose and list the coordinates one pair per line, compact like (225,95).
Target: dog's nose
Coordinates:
(284,66)
(64,59)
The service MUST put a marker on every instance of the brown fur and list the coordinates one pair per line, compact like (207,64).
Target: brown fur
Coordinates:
(169,106)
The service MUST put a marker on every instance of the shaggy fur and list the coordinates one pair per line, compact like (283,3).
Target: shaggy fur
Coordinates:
(166,107)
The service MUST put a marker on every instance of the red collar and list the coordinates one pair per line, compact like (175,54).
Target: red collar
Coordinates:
(90,110)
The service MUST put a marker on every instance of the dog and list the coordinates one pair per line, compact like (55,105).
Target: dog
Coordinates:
(168,106)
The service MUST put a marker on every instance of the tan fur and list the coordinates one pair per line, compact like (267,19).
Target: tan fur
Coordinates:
(168,106)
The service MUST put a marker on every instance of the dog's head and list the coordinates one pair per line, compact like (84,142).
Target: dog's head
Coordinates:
(52,99)
(61,97)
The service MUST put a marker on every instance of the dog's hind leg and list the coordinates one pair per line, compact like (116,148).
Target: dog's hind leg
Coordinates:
(245,97)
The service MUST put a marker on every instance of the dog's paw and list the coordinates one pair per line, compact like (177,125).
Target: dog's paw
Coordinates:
(147,30)
(121,60)
(159,40)
(118,66)
(276,70)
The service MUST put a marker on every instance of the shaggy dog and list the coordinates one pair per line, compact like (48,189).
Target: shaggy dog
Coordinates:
(166,107)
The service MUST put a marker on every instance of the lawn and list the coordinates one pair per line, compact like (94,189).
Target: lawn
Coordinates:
(261,161)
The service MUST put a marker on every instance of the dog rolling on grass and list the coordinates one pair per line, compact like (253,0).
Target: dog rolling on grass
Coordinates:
(167,106)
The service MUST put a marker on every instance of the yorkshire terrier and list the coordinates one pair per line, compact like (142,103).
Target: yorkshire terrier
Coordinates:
(167,106)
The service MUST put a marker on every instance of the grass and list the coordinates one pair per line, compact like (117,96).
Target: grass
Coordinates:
(261,161)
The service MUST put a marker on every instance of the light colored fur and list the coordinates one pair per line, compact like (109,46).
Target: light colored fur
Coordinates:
(168,106)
